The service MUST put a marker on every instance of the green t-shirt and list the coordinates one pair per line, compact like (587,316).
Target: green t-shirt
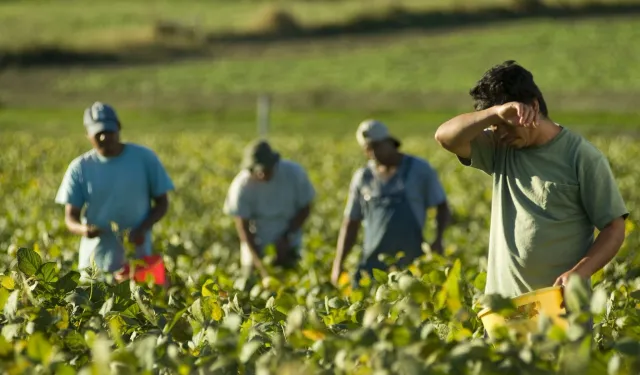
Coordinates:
(546,202)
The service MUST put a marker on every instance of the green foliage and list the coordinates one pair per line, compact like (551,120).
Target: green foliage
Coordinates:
(402,73)
(116,22)
(213,319)
(28,261)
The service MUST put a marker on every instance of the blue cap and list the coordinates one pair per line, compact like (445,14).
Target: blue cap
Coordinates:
(100,117)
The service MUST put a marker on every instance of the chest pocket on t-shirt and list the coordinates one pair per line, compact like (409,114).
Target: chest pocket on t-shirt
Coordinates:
(562,200)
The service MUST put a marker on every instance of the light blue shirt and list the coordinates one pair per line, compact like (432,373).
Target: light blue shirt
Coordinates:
(271,205)
(118,189)
(423,189)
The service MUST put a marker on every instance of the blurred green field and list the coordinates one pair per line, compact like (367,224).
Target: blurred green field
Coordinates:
(325,124)
(428,72)
(51,323)
(586,67)
(112,23)
(561,56)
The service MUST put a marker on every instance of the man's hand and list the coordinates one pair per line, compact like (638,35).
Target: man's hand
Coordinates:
(137,236)
(437,247)
(518,114)
(563,279)
(75,226)
(282,245)
(283,250)
(91,231)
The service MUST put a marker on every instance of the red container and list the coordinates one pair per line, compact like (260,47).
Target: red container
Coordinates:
(154,266)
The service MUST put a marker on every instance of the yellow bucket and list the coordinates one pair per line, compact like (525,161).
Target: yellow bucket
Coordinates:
(530,306)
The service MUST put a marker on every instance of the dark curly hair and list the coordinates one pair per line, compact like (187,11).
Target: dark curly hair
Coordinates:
(504,83)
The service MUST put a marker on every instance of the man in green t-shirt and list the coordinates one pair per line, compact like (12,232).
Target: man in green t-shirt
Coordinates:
(551,187)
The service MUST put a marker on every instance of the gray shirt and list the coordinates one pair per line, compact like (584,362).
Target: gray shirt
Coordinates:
(271,205)
(547,201)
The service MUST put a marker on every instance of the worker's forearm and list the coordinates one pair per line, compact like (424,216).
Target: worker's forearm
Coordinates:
(299,219)
(462,129)
(443,219)
(346,241)
(245,235)
(604,248)
(156,213)
(249,238)
(75,226)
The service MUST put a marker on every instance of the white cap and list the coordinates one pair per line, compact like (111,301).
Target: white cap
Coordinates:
(373,131)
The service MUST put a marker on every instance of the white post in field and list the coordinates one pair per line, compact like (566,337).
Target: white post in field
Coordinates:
(264,109)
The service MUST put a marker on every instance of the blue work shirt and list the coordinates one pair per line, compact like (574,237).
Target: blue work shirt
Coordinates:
(422,186)
(118,189)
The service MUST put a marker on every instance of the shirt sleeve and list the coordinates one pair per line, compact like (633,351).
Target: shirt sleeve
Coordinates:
(432,189)
(483,151)
(237,203)
(599,192)
(305,192)
(70,190)
(159,180)
(353,209)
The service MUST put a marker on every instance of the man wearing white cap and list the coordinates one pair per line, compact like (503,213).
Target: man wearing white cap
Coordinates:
(391,195)
(121,183)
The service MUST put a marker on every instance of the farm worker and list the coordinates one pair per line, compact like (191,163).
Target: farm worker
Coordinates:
(116,182)
(391,195)
(270,199)
(551,187)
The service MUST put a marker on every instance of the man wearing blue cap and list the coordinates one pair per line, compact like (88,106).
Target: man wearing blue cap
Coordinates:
(121,183)
(390,196)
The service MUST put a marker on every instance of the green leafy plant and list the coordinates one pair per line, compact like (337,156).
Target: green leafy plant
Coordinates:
(213,319)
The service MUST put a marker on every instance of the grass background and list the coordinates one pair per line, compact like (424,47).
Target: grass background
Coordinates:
(70,23)
(112,23)
(587,67)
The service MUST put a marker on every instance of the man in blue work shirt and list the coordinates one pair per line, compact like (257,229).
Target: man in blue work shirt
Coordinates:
(117,183)
(391,195)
